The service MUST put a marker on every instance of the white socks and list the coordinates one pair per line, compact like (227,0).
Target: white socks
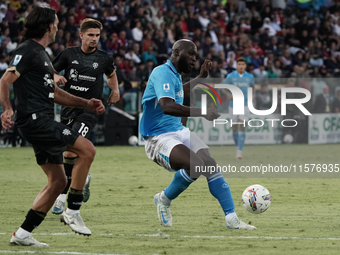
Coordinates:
(62,197)
(22,233)
(71,212)
(164,199)
(230,217)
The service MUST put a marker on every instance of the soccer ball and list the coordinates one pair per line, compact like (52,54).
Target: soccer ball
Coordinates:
(133,140)
(288,138)
(256,199)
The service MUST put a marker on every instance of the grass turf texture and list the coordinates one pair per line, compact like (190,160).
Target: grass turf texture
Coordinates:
(121,213)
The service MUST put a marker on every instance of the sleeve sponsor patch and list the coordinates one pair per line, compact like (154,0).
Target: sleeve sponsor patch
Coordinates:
(17,59)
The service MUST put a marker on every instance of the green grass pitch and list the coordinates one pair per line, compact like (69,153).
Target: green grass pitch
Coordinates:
(303,217)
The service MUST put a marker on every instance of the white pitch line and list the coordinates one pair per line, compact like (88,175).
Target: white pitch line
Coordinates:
(57,252)
(242,237)
(160,234)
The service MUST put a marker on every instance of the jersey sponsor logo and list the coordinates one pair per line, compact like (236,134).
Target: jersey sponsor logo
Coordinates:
(180,93)
(51,95)
(46,63)
(79,88)
(73,75)
(66,132)
(75,62)
(242,84)
(17,59)
(95,65)
(48,81)
(166,86)
(86,78)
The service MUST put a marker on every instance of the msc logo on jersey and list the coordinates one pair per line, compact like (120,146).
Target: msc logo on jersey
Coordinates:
(73,74)
(95,65)
(166,86)
(245,82)
(17,59)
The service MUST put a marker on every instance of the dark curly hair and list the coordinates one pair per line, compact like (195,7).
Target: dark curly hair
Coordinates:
(38,22)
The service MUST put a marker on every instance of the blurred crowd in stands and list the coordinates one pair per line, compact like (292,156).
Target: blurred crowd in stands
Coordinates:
(278,38)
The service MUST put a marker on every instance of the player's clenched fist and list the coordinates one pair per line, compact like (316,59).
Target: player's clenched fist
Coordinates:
(212,114)
(96,105)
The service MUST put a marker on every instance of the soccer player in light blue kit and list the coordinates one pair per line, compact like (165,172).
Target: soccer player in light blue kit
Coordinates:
(243,80)
(171,145)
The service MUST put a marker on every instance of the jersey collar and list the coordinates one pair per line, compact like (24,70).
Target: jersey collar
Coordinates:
(173,69)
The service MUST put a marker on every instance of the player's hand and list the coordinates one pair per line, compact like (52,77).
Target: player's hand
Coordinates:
(6,117)
(114,97)
(212,114)
(59,80)
(96,106)
(205,69)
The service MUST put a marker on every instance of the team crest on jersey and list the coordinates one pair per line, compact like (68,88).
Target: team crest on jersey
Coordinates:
(95,65)
(166,86)
(17,59)
(75,62)
(73,74)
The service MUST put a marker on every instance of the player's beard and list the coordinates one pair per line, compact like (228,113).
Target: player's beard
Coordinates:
(183,65)
(93,46)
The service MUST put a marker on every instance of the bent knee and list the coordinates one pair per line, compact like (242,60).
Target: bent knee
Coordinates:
(86,150)
(90,152)
(59,184)
(69,154)
(209,161)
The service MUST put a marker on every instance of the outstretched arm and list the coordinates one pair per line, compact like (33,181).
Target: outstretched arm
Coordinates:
(170,107)
(188,86)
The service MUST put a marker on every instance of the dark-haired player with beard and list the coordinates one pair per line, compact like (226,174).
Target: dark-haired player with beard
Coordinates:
(31,73)
(84,69)
(172,146)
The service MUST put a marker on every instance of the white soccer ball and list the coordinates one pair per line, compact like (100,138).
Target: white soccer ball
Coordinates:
(133,140)
(256,199)
(288,138)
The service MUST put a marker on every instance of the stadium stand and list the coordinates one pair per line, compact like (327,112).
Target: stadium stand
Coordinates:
(278,38)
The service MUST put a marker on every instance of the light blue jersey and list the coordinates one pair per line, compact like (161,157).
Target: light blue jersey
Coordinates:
(164,81)
(242,82)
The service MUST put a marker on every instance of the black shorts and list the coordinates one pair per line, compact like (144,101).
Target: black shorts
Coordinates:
(82,124)
(48,138)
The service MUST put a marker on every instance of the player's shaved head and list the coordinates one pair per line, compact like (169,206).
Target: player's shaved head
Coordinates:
(182,44)
(183,55)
